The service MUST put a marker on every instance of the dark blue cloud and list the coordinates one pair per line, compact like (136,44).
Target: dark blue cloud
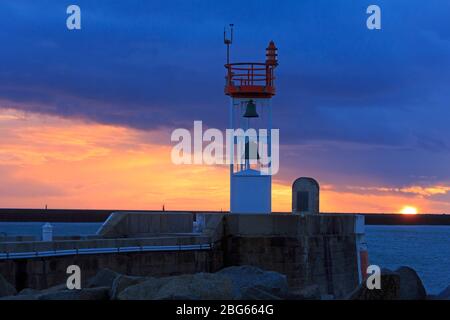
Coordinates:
(149,64)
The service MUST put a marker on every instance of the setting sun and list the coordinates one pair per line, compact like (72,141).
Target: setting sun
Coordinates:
(408,210)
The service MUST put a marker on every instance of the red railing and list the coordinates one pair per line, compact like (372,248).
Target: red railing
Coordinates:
(249,74)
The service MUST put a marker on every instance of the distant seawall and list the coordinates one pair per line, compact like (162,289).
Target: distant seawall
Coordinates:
(80,215)
(400,219)
(53,215)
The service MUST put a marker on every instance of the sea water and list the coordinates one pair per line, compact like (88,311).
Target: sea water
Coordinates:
(35,229)
(426,249)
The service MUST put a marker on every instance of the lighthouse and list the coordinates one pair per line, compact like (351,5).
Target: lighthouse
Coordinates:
(250,87)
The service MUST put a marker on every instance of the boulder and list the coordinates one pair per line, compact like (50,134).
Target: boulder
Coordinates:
(145,290)
(244,277)
(56,288)
(33,294)
(121,282)
(257,293)
(104,278)
(6,289)
(390,288)
(21,297)
(100,293)
(411,287)
(307,293)
(445,294)
(243,282)
(28,291)
(200,286)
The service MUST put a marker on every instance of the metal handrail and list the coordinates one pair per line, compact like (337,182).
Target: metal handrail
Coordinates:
(254,75)
(66,252)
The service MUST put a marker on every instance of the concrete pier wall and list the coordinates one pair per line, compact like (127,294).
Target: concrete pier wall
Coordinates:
(314,249)
(311,249)
(165,240)
(137,224)
(41,273)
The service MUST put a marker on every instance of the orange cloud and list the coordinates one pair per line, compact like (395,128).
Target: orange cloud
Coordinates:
(99,166)
(417,190)
(332,201)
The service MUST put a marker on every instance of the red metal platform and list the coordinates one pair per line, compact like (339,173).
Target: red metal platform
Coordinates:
(252,79)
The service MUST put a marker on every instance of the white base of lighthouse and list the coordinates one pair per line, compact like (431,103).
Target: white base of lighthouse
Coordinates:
(250,192)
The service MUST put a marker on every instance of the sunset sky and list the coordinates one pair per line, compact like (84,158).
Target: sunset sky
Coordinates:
(86,116)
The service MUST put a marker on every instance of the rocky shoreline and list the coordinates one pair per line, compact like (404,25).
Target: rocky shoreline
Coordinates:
(232,283)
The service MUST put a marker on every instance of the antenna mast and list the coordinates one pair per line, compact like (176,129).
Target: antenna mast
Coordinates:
(228,40)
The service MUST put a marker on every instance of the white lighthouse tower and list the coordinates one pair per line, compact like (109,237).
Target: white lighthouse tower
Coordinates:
(250,86)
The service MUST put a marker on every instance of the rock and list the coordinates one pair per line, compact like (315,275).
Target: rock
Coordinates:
(390,288)
(28,291)
(33,294)
(56,288)
(6,289)
(122,282)
(200,286)
(257,293)
(243,277)
(104,278)
(445,294)
(411,287)
(146,290)
(243,282)
(308,293)
(22,297)
(100,293)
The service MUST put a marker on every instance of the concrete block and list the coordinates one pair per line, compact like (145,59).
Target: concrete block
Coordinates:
(256,224)
(284,225)
(129,224)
